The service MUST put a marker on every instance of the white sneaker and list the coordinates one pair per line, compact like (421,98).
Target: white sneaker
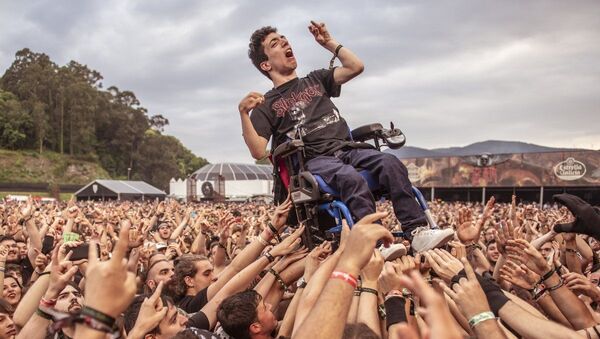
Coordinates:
(393,252)
(425,239)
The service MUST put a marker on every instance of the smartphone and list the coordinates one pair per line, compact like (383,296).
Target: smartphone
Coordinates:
(47,244)
(81,252)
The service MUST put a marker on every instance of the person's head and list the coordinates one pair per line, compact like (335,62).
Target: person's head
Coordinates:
(69,299)
(546,249)
(489,235)
(492,253)
(160,270)
(193,273)
(270,52)
(12,290)
(245,314)
(171,324)
(21,249)
(164,231)
(11,244)
(8,330)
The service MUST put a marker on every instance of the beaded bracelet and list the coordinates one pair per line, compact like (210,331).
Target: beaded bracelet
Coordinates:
(478,318)
(278,278)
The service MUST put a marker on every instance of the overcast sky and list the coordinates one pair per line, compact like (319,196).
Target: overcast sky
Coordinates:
(448,73)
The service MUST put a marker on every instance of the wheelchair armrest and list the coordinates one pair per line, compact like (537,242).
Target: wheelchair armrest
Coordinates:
(288,148)
(366,132)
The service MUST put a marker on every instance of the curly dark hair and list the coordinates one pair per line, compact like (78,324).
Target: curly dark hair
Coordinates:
(256,51)
(238,312)
(185,267)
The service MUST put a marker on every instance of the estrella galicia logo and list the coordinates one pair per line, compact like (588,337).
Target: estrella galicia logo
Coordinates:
(570,169)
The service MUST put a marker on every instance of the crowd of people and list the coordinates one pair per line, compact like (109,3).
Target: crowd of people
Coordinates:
(214,270)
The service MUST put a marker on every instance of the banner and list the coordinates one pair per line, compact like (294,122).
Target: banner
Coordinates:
(560,169)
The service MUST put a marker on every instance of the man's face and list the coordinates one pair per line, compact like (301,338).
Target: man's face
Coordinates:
(69,300)
(489,234)
(13,253)
(204,276)
(164,231)
(492,252)
(22,247)
(280,57)
(171,324)
(161,271)
(265,317)
(8,330)
(546,249)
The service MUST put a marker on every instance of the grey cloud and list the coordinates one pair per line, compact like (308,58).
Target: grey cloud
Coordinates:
(448,72)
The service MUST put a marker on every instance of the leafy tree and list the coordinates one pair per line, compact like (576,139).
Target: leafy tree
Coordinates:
(15,123)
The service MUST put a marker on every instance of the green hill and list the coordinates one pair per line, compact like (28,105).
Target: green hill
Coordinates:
(49,167)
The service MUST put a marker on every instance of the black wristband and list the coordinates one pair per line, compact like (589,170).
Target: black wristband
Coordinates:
(274,231)
(395,310)
(269,257)
(368,290)
(100,316)
(493,292)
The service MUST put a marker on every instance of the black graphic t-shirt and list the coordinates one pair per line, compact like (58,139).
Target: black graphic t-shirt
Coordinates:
(302,108)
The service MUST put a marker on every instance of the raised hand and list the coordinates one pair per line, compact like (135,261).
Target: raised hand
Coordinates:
(110,288)
(320,32)
(581,284)
(371,272)
(361,241)
(519,275)
(468,294)
(467,231)
(523,252)
(282,211)
(587,218)
(288,244)
(443,263)
(151,313)
(250,102)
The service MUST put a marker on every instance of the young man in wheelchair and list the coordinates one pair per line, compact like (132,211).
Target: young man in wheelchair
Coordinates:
(301,108)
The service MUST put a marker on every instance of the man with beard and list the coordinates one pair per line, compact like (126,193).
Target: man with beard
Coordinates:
(69,300)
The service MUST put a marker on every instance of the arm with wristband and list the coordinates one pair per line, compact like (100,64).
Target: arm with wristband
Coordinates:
(351,64)
(332,305)
(252,251)
(369,293)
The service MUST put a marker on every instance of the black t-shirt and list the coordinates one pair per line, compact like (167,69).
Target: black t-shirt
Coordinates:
(303,106)
(199,320)
(192,304)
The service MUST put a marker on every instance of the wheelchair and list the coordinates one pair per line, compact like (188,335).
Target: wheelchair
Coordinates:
(316,204)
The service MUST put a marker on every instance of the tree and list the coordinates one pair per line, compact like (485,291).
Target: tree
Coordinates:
(15,123)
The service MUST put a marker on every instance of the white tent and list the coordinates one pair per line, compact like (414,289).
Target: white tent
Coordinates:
(236,181)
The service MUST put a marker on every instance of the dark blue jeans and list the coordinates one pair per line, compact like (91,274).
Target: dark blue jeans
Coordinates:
(340,173)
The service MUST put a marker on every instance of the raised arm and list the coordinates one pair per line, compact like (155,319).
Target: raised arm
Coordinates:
(256,144)
(351,64)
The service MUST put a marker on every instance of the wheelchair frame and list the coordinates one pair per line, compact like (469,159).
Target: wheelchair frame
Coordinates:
(314,208)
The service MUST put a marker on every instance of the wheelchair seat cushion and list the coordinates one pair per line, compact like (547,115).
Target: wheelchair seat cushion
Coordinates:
(370,179)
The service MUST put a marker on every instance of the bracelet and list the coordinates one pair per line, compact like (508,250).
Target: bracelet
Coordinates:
(278,278)
(99,316)
(269,256)
(47,302)
(381,312)
(274,231)
(335,54)
(262,241)
(560,284)
(368,290)
(2,269)
(345,277)
(547,275)
(43,314)
(222,246)
(478,318)
(572,250)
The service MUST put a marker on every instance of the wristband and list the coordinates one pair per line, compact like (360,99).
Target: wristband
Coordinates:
(269,256)
(560,284)
(278,278)
(547,275)
(478,318)
(335,54)
(274,231)
(99,316)
(493,292)
(368,290)
(43,314)
(47,302)
(262,241)
(345,277)
(395,309)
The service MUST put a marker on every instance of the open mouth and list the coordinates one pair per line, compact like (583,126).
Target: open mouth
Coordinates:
(289,53)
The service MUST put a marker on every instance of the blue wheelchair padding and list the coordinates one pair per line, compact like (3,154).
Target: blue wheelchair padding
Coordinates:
(372,182)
